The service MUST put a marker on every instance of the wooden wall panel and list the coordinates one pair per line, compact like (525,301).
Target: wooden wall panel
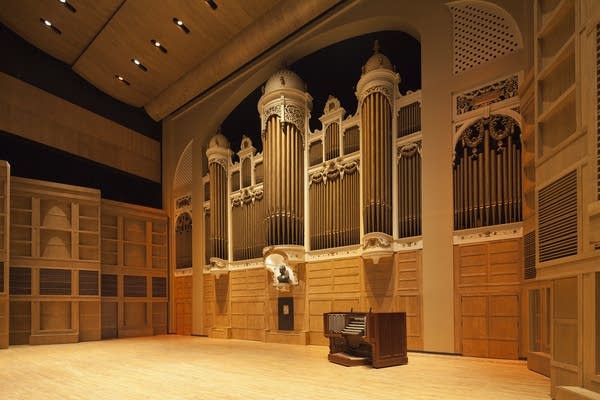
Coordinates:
(55,315)
(488,304)
(109,319)
(159,318)
(44,118)
(4,252)
(248,304)
(409,295)
(89,321)
(331,286)
(209,303)
(20,322)
(183,304)
(566,359)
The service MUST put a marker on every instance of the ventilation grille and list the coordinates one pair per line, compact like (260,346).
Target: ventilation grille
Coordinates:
(109,285)
(482,32)
(529,256)
(183,174)
(159,287)
(134,286)
(55,281)
(558,218)
(20,281)
(88,283)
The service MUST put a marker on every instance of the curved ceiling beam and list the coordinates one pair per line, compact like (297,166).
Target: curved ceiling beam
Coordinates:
(267,31)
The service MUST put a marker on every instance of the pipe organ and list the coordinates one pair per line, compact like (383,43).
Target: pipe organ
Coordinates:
(487,173)
(359,175)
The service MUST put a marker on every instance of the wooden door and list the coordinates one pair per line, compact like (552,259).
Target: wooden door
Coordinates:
(183,318)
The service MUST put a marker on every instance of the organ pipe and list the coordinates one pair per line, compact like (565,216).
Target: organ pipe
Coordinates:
(284,182)
(486,174)
(376,144)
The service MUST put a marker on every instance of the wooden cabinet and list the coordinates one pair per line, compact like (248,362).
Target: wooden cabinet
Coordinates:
(134,270)
(55,265)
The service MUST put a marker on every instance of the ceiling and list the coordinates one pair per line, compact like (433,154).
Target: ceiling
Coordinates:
(101,39)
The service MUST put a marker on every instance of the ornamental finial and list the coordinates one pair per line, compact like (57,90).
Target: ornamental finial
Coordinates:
(376,46)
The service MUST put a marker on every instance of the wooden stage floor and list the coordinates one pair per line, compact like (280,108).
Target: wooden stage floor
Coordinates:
(185,367)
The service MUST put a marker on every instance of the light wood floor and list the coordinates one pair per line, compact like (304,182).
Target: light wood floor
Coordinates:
(184,367)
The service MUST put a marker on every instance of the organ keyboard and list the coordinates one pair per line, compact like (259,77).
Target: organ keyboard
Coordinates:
(366,338)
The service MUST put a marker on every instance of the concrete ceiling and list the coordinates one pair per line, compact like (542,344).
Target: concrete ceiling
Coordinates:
(100,40)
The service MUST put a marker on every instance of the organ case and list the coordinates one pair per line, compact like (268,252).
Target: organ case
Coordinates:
(357,338)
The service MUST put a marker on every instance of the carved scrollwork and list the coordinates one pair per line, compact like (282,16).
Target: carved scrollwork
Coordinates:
(409,150)
(185,201)
(332,171)
(486,95)
(383,89)
(377,242)
(246,197)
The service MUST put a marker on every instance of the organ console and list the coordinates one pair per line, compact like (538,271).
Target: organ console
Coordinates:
(357,338)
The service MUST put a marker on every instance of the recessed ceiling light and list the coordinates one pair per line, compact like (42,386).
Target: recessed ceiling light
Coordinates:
(139,64)
(158,45)
(122,80)
(181,25)
(67,5)
(211,3)
(50,26)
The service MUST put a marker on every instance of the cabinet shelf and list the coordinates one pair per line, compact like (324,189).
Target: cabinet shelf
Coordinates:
(86,232)
(561,55)
(563,100)
(553,18)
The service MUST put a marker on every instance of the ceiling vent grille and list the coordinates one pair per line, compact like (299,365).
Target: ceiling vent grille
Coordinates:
(558,218)
(482,33)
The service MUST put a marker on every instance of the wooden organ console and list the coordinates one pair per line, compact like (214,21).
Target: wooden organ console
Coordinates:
(357,338)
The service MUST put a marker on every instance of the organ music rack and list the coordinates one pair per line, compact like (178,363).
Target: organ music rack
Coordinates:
(357,338)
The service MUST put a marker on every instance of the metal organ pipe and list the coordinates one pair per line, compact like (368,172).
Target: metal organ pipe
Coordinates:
(376,142)
(284,183)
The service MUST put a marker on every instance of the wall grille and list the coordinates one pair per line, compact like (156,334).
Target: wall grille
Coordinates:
(558,218)
(134,286)
(482,33)
(529,256)
(20,280)
(88,283)
(159,287)
(109,285)
(55,281)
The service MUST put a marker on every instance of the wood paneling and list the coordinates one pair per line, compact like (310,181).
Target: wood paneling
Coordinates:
(55,315)
(331,286)
(20,322)
(37,115)
(248,307)
(89,320)
(109,319)
(183,304)
(488,309)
